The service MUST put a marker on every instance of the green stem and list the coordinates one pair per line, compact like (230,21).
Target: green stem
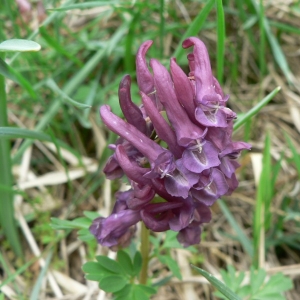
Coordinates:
(145,253)
(7,220)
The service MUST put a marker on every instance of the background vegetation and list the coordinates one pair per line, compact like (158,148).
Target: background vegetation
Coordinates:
(87,47)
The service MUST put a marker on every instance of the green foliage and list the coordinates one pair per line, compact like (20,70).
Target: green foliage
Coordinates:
(253,111)
(118,277)
(260,285)
(81,224)
(221,287)
(241,236)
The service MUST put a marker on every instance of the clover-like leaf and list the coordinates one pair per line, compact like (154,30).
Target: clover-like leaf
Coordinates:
(112,283)
(19,45)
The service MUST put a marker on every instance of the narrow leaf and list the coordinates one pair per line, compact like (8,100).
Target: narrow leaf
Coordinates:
(85,5)
(54,87)
(244,240)
(253,111)
(8,72)
(221,287)
(194,28)
(221,40)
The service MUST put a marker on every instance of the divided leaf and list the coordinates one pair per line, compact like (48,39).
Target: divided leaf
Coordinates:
(125,262)
(113,283)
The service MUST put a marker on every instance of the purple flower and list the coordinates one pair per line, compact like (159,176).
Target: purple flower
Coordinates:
(177,145)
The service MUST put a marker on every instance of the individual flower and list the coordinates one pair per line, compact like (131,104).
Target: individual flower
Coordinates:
(175,149)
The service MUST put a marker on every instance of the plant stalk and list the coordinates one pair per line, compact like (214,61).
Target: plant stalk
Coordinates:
(145,253)
(7,220)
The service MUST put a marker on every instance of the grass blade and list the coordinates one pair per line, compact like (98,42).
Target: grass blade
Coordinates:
(262,214)
(7,219)
(36,288)
(221,40)
(244,240)
(57,47)
(275,46)
(262,43)
(253,111)
(296,156)
(10,73)
(220,286)
(194,28)
(85,5)
(54,87)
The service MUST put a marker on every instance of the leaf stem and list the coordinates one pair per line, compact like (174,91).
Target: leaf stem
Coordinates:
(145,253)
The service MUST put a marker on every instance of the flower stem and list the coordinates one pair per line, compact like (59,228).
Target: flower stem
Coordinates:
(145,253)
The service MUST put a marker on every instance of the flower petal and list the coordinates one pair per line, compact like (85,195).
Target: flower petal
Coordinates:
(184,89)
(140,141)
(179,182)
(217,187)
(130,110)
(186,130)
(156,216)
(189,235)
(162,128)
(130,168)
(183,215)
(201,158)
(109,230)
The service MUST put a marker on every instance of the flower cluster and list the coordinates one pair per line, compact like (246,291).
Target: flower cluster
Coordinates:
(175,149)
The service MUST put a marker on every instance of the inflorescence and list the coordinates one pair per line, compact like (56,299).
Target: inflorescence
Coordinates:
(175,149)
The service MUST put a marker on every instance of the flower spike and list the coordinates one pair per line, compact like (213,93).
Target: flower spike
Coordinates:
(177,145)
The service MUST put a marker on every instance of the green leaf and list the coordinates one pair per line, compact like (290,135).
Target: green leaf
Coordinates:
(8,72)
(85,5)
(54,87)
(109,264)
(85,235)
(221,40)
(171,264)
(254,110)
(95,269)
(79,223)
(218,284)
(113,283)
(275,46)
(35,293)
(296,156)
(171,240)
(18,45)
(57,46)
(231,279)
(194,28)
(147,289)
(278,283)
(139,294)
(125,262)
(137,263)
(243,239)
(16,133)
(95,276)
(125,293)
(257,280)
(92,215)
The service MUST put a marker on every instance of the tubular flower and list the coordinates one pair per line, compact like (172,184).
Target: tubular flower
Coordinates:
(177,165)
